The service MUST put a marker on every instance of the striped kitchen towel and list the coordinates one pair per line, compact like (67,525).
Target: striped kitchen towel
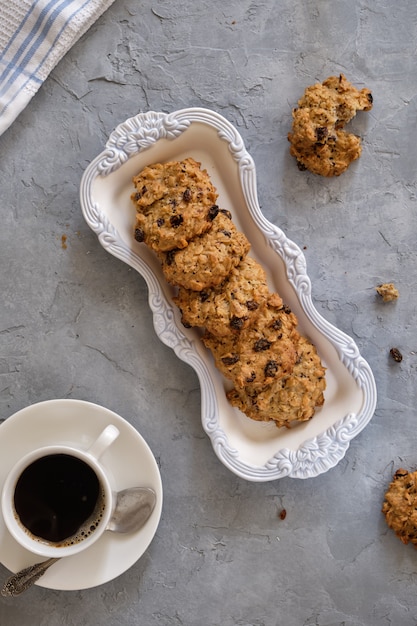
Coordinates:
(34,36)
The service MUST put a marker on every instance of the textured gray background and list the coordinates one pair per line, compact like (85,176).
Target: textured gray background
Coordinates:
(75,323)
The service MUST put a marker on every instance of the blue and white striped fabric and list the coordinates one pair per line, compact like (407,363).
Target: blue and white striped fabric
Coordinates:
(34,36)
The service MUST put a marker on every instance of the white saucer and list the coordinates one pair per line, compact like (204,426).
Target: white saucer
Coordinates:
(130,462)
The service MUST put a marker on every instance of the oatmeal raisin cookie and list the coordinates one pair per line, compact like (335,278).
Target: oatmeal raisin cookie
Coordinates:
(174,202)
(291,398)
(260,353)
(317,138)
(400,506)
(229,307)
(208,258)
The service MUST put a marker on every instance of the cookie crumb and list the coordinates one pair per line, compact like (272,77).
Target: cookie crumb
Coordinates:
(388,292)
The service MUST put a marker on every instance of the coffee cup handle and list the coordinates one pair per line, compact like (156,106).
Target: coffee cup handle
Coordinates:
(109,434)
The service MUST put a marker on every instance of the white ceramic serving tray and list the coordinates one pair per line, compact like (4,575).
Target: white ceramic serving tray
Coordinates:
(255,451)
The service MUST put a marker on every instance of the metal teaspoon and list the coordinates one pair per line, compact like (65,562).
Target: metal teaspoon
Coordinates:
(133,508)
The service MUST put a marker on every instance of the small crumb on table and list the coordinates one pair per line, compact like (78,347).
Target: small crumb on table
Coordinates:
(388,292)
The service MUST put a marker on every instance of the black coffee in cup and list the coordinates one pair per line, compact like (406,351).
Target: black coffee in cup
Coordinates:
(58,498)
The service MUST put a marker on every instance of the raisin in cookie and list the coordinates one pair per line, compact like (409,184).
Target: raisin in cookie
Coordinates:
(231,306)
(400,506)
(260,353)
(208,258)
(317,138)
(173,204)
(292,398)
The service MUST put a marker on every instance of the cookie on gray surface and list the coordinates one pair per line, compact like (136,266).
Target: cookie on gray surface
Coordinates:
(317,138)
(400,506)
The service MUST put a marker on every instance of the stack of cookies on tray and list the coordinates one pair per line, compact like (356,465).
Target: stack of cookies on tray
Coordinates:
(276,373)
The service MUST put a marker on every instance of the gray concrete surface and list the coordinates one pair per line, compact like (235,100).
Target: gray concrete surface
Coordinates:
(75,323)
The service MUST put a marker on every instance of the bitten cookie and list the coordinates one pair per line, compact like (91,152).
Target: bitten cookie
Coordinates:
(317,138)
(400,506)
(207,259)
(260,353)
(287,399)
(173,204)
(231,306)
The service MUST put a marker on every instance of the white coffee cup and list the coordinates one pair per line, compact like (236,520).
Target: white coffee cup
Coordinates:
(34,521)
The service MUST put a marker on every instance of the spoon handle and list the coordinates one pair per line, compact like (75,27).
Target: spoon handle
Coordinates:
(27,577)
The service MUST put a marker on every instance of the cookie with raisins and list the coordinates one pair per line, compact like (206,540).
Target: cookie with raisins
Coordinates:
(174,203)
(229,307)
(288,399)
(317,138)
(208,258)
(400,506)
(260,353)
